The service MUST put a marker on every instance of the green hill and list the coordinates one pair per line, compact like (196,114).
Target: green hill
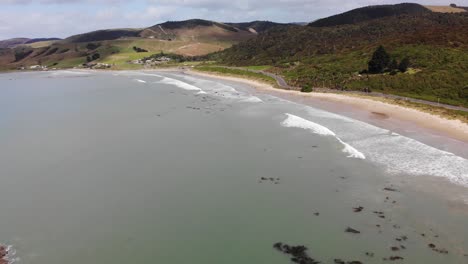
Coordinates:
(100,35)
(332,56)
(370,12)
(256,26)
(193,37)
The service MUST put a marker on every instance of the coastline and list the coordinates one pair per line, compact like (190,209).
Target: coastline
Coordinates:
(454,129)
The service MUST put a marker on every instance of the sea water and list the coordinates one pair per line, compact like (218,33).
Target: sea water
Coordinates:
(164,167)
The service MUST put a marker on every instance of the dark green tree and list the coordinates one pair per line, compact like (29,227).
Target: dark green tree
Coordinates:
(393,65)
(463,93)
(404,64)
(380,61)
(307,89)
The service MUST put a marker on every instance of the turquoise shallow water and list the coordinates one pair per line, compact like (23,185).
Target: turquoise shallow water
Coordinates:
(133,167)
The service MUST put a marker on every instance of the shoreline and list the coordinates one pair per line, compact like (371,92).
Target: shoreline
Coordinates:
(380,110)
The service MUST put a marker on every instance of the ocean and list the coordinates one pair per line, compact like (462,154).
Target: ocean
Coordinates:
(166,167)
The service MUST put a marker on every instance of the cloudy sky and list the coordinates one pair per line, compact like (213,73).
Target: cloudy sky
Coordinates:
(62,18)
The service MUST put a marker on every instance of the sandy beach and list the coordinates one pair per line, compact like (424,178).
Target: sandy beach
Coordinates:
(454,129)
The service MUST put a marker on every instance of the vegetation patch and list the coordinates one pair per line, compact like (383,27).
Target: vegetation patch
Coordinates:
(237,73)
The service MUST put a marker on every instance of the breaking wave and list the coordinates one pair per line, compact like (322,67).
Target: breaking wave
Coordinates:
(298,122)
(180,84)
(222,90)
(398,154)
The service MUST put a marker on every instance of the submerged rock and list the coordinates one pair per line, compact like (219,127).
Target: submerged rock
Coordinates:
(393,258)
(395,248)
(352,230)
(298,253)
(358,209)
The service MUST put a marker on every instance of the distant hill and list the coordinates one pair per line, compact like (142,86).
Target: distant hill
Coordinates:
(332,51)
(35,40)
(11,43)
(255,26)
(100,35)
(196,30)
(192,37)
(447,9)
(370,12)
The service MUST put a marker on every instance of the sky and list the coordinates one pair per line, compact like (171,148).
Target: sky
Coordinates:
(63,18)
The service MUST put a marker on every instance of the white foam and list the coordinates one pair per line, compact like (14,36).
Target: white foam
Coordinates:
(353,153)
(299,122)
(222,90)
(140,81)
(295,121)
(11,254)
(396,153)
(180,84)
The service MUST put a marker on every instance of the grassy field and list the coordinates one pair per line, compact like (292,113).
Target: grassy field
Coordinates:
(258,68)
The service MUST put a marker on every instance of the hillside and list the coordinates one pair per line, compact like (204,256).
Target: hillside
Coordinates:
(447,9)
(193,37)
(196,30)
(333,56)
(370,12)
(11,43)
(255,26)
(100,35)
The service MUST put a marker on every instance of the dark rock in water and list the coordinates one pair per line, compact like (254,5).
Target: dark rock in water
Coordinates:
(354,262)
(395,248)
(339,261)
(441,251)
(316,213)
(369,254)
(278,246)
(393,258)
(402,247)
(351,230)
(390,189)
(298,253)
(358,209)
